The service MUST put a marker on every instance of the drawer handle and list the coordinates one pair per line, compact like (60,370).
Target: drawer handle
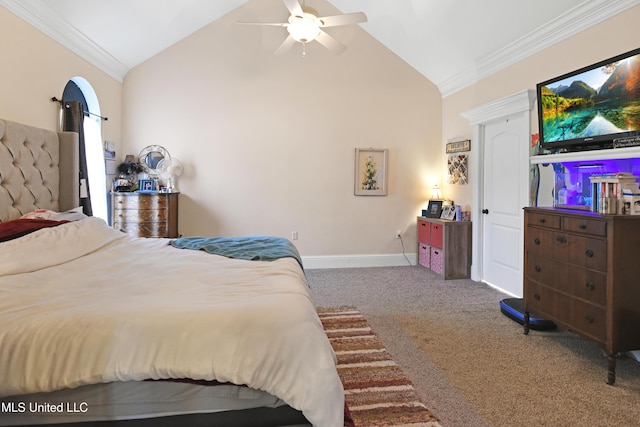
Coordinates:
(590,286)
(582,227)
(536,296)
(536,241)
(542,220)
(589,318)
(589,253)
(423,224)
(538,268)
(561,239)
(120,202)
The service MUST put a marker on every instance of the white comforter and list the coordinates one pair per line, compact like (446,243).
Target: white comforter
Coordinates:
(82,303)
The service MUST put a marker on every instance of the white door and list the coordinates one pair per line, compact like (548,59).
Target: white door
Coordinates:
(504,194)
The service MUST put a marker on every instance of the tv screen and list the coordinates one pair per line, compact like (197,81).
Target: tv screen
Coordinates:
(591,107)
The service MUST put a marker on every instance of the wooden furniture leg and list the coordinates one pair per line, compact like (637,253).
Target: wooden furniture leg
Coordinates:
(611,373)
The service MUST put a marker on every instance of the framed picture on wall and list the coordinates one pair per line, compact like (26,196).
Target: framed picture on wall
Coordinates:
(434,210)
(370,172)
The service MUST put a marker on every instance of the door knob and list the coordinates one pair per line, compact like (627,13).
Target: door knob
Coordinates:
(485,211)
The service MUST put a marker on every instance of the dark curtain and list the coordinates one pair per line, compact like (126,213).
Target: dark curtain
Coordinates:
(73,121)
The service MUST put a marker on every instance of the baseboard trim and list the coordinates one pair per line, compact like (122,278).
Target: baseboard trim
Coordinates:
(497,288)
(358,261)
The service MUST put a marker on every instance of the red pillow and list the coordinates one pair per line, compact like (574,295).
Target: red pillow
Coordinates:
(23,226)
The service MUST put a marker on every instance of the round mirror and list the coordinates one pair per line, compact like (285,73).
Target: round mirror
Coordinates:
(150,156)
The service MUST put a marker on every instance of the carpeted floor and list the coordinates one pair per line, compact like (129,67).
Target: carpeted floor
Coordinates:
(471,365)
(377,392)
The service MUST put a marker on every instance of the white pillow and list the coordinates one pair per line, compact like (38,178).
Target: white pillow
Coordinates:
(74,214)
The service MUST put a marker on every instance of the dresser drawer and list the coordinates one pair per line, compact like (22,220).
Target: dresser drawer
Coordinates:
(575,281)
(579,316)
(544,220)
(539,241)
(593,227)
(579,250)
(142,229)
(139,215)
(154,201)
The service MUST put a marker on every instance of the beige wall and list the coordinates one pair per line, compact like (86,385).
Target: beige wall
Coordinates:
(612,37)
(35,68)
(268,141)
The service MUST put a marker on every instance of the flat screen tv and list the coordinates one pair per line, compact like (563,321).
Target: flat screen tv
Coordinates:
(591,107)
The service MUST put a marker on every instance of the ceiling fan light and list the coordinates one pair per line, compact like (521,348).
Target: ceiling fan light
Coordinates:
(303,28)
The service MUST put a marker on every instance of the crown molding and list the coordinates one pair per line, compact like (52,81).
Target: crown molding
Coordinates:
(44,19)
(581,17)
(516,103)
(578,19)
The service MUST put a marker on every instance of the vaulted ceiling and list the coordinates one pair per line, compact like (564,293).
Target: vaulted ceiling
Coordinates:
(470,39)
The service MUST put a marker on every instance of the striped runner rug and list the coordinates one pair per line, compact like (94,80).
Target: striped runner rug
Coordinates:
(377,392)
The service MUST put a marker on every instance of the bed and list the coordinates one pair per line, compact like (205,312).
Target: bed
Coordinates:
(99,326)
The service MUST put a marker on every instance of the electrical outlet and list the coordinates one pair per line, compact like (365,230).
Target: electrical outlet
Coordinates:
(294,235)
(398,234)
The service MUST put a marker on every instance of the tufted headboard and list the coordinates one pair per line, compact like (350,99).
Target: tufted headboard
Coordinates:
(38,170)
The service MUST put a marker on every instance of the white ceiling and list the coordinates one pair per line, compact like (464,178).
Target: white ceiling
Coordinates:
(471,39)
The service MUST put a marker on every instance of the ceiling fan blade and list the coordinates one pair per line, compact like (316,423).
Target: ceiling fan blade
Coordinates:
(294,7)
(286,45)
(273,24)
(330,43)
(346,19)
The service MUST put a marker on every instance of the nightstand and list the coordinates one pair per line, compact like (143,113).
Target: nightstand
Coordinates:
(141,214)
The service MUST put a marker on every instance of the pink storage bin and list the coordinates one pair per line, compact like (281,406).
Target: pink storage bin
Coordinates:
(437,264)
(424,255)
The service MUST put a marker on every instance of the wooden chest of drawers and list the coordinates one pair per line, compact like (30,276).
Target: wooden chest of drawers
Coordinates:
(145,214)
(581,271)
(445,247)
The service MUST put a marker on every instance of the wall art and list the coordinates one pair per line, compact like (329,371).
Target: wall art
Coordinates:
(370,172)
(457,166)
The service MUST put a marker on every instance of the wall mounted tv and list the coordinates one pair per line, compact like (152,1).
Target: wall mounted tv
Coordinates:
(591,107)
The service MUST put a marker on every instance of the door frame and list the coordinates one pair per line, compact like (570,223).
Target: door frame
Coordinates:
(520,102)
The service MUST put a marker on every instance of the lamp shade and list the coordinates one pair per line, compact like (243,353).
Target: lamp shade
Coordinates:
(436,194)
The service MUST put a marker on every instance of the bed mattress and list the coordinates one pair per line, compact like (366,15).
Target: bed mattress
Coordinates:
(96,306)
(129,400)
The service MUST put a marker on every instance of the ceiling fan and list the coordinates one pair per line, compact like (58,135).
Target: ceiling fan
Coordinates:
(305,26)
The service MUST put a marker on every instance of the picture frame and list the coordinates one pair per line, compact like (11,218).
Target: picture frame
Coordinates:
(370,178)
(458,146)
(434,210)
(448,212)
(146,185)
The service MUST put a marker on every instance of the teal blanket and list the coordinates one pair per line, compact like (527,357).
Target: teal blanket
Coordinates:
(256,248)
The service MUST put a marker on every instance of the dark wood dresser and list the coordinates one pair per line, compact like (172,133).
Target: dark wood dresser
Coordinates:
(145,214)
(444,247)
(581,270)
